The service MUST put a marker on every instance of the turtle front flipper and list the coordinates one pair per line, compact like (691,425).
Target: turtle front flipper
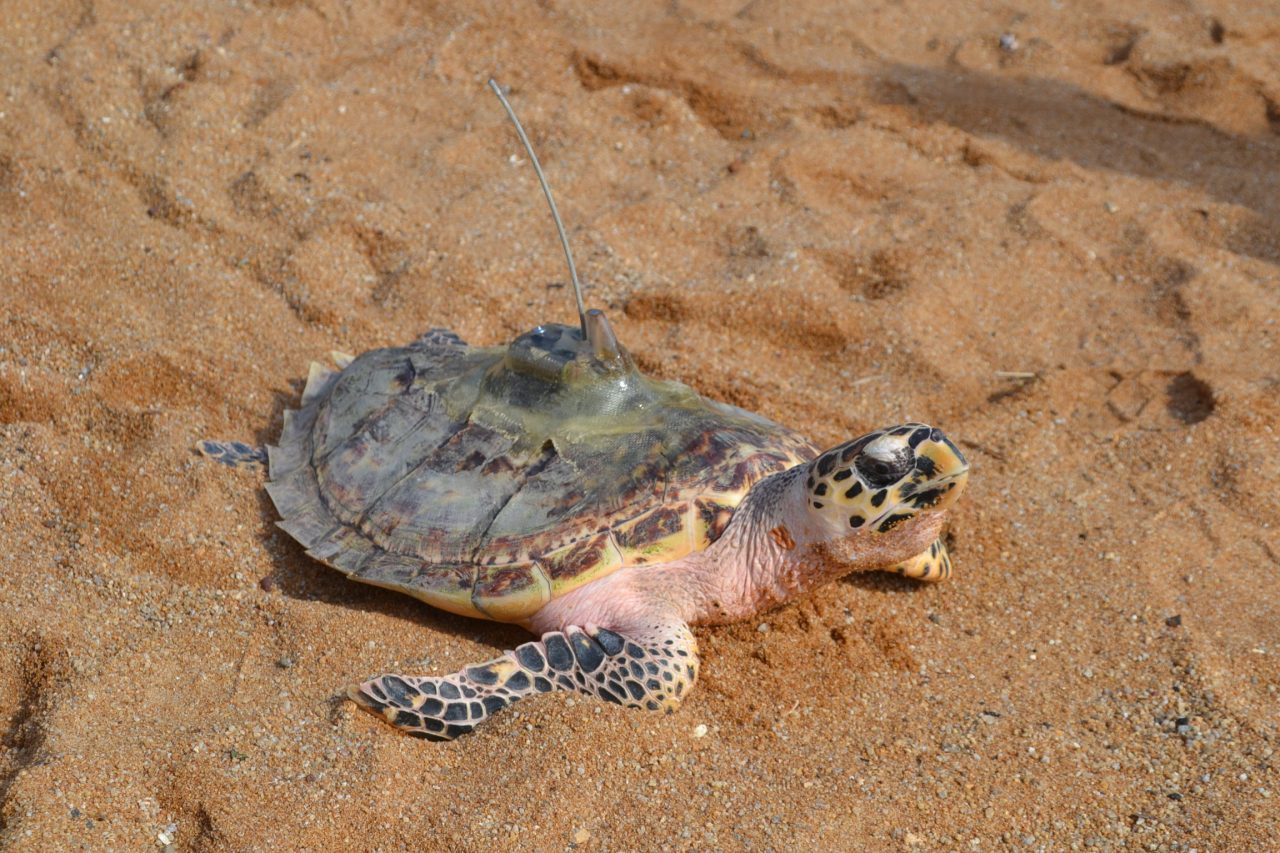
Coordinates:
(234,453)
(653,669)
(931,565)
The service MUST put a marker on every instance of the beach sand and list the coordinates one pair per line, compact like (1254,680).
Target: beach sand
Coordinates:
(1051,229)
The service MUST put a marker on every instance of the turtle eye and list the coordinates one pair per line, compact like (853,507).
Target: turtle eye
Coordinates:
(886,467)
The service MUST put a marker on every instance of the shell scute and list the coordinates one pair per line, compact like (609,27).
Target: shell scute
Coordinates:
(657,536)
(570,567)
(503,592)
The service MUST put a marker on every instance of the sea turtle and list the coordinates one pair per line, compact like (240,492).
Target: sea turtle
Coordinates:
(550,484)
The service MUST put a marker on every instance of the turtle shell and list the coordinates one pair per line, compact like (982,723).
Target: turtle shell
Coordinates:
(487,481)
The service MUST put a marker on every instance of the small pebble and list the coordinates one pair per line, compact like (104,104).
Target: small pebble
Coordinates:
(1174,621)
(267,584)
(700,730)
(582,836)
(763,627)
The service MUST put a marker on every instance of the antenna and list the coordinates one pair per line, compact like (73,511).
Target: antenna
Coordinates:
(555,214)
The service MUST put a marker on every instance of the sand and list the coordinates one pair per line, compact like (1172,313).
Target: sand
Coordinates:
(1052,229)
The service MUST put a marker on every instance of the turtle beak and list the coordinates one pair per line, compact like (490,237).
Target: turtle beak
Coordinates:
(940,475)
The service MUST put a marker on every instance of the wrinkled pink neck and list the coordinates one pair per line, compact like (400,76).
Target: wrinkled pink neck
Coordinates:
(773,550)
(768,554)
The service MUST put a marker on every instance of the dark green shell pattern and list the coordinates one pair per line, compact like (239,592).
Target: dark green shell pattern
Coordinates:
(486,481)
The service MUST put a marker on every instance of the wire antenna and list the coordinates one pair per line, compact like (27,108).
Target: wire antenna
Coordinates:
(551,202)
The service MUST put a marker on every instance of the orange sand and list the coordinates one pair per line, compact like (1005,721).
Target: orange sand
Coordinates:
(1065,251)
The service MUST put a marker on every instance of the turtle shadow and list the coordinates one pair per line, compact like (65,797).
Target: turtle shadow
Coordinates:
(298,576)
(883,582)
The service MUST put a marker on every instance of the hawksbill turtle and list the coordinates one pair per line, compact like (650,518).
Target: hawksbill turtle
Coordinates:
(549,483)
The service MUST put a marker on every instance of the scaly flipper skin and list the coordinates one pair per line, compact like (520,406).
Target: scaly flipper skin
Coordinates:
(234,453)
(652,669)
(932,565)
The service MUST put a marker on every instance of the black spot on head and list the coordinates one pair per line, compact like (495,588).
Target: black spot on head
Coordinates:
(902,430)
(893,521)
(854,490)
(652,705)
(843,474)
(926,499)
(809,483)
(878,498)
(926,466)
(821,491)
(826,463)
(818,505)
(856,521)
(936,435)
(917,437)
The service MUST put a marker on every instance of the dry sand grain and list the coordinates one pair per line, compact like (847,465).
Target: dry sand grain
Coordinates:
(1052,228)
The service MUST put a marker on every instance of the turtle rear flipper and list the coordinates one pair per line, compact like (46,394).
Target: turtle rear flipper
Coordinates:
(234,453)
(654,672)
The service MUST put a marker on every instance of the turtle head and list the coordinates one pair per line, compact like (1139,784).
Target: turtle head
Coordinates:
(882,498)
